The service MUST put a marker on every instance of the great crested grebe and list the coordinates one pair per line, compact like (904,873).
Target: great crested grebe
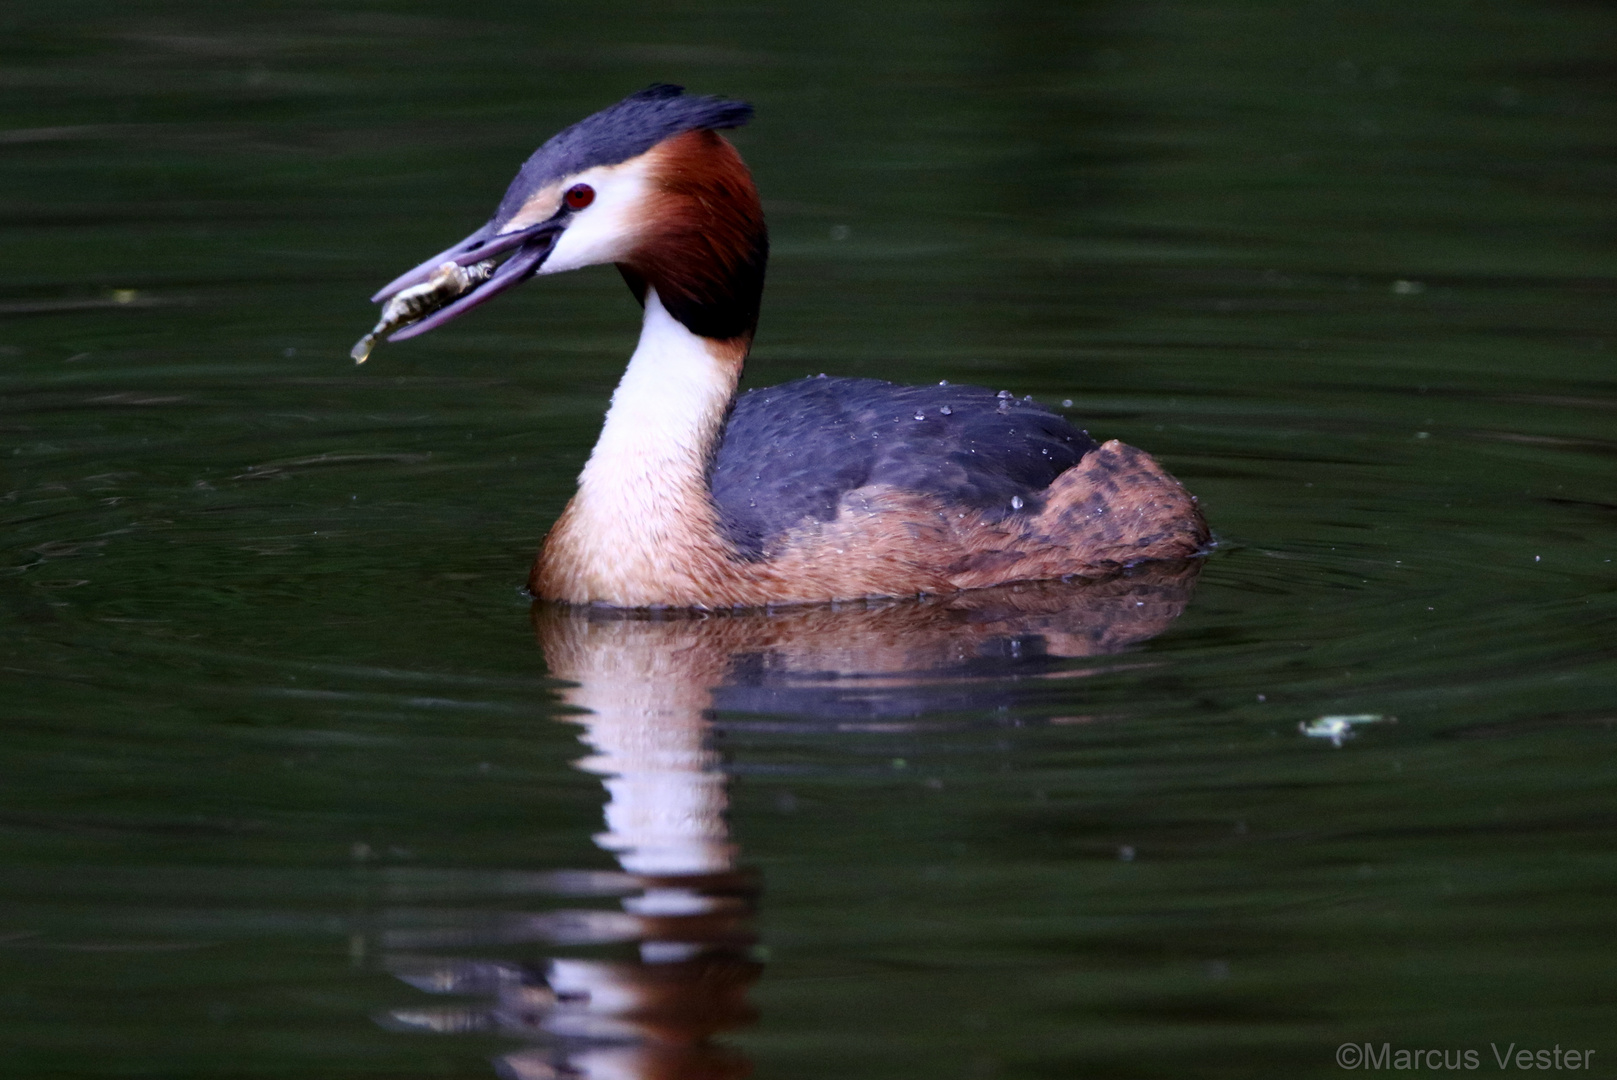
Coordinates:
(819,489)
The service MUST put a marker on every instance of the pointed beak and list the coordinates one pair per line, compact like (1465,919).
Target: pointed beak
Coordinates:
(515,256)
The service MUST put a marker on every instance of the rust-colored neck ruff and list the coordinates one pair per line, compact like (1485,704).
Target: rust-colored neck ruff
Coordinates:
(642,529)
(704,244)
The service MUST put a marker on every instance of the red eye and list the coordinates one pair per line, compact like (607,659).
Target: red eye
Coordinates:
(579,196)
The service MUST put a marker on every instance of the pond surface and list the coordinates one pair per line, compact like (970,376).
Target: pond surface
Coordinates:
(298,783)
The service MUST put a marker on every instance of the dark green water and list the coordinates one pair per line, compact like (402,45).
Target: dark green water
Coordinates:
(281,734)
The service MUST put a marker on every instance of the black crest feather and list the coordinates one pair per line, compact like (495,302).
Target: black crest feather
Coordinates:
(619,132)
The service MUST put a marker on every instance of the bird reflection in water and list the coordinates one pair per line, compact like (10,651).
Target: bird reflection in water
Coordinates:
(648,685)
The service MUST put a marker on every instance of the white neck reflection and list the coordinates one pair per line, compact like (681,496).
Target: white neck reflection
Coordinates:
(647,725)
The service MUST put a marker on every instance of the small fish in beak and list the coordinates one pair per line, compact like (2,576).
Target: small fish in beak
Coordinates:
(449,281)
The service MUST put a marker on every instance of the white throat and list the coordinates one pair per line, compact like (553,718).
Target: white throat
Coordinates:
(643,495)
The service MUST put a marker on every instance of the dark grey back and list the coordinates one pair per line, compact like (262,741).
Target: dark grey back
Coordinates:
(793,451)
(618,133)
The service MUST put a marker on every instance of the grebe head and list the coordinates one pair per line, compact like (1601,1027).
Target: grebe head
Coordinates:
(646,184)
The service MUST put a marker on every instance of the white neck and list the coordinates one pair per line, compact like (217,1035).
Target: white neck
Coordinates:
(643,501)
(664,407)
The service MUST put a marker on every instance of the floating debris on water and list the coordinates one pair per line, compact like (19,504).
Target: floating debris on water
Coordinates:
(449,281)
(1339,728)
